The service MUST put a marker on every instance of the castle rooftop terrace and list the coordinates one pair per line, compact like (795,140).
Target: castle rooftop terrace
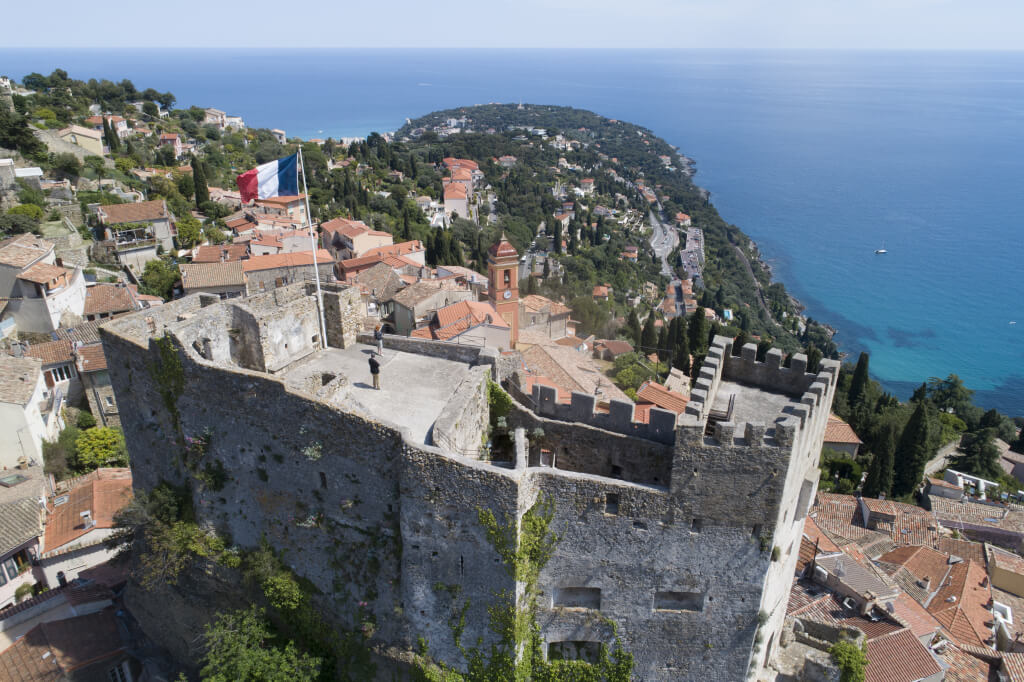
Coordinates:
(752,405)
(414,388)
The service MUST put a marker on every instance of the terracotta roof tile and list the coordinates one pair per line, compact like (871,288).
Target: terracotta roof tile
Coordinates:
(91,358)
(657,394)
(965,549)
(964,667)
(108,299)
(960,604)
(1013,666)
(899,657)
(540,304)
(281,200)
(51,352)
(22,250)
(225,252)
(43,273)
(400,249)
(103,496)
(838,431)
(201,275)
(116,214)
(286,260)
(1008,561)
(20,521)
(52,650)
(18,379)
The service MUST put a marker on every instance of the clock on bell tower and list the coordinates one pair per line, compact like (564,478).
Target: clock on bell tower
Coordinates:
(503,283)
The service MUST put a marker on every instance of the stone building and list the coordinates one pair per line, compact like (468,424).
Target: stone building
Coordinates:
(684,531)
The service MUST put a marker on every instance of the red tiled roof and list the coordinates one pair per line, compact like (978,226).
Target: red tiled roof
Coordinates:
(1013,666)
(51,650)
(455,190)
(838,431)
(942,483)
(456,163)
(960,604)
(43,273)
(614,346)
(898,657)
(116,214)
(285,260)
(108,299)
(924,563)
(103,496)
(281,200)
(400,249)
(92,358)
(601,290)
(1008,561)
(502,249)
(225,252)
(651,392)
(914,616)
(51,352)
(478,311)
(202,275)
(964,667)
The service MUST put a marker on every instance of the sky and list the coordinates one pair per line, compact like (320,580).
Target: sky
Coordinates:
(812,24)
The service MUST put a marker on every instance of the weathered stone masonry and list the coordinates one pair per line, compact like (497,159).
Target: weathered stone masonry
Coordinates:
(672,541)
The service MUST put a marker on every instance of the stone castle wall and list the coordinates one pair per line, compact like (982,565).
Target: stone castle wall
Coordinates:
(663,539)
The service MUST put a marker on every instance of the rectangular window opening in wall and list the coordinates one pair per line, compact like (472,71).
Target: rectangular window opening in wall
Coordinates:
(574,651)
(756,531)
(616,471)
(678,601)
(611,503)
(323,479)
(697,525)
(577,598)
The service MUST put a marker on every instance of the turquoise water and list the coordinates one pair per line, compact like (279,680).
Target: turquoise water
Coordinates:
(821,157)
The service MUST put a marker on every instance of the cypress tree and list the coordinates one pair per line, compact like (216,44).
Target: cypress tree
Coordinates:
(663,345)
(859,385)
(913,450)
(431,254)
(880,472)
(738,343)
(633,327)
(199,180)
(813,359)
(681,355)
(649,336)
(698,332)
(558,236)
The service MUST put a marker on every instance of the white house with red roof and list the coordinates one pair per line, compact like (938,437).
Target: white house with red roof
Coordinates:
(456,200)
(39,291)
(474,323)
(347,239)
(174,141)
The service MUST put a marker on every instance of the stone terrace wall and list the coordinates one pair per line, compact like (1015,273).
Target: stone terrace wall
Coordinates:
(619,418)
(473,355)
(462,422)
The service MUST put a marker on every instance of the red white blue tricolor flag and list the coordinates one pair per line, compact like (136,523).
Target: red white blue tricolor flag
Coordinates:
(275,179)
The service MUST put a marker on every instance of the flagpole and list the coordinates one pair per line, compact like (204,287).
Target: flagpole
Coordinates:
(316,266)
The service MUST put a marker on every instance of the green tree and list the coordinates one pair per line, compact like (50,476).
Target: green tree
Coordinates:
(68,164)
(649,336)
(124,164)
(100,447)
(150,109)
(698,329)
(915,447)
(632,328)
(980,455)
(28,210)
(241,648)
(186,185)
(158,279)
(851,659)
(202,190)
(97,165)
(881,470)
(859,385)
(190,232)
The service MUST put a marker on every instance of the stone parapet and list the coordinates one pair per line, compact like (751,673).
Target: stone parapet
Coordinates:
(619,418)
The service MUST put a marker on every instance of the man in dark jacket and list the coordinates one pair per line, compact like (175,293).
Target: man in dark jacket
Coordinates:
(375,371)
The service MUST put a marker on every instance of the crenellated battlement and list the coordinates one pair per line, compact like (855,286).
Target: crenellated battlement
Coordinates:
(661,425)
(753,403)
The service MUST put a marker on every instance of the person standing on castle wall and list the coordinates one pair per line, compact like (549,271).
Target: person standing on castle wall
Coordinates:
(378,337)
(375,372)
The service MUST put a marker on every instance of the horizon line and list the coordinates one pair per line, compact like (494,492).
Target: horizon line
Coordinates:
(306,48)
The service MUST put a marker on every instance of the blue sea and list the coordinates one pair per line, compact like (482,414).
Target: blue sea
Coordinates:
(821,156)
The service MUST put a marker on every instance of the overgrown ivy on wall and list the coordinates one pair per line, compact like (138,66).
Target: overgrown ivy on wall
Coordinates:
(518,656)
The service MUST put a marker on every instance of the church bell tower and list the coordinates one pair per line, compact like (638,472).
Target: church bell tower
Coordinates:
(503,284)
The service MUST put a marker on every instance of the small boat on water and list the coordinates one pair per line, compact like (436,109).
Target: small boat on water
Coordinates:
(881,250)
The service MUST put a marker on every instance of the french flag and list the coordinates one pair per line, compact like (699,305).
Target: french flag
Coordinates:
(275,179)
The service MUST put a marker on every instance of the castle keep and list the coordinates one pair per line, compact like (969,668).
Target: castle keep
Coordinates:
(683,532)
